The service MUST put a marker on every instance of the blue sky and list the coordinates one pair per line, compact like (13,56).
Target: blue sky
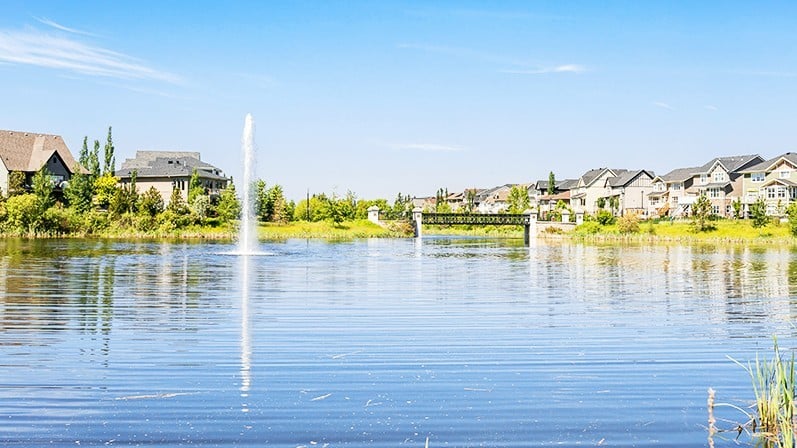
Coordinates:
(379,97)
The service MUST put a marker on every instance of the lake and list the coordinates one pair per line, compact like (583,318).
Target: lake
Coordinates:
(382,343)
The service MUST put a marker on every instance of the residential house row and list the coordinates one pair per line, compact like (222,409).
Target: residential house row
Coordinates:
(723,180)
(29,152)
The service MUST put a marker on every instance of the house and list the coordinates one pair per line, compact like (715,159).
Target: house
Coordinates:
(669,197)
(462,201)
(774,180)
(631,188)
(167,170)
(591,186)
(543,202)
(493,200)
(721,181)
(28,152)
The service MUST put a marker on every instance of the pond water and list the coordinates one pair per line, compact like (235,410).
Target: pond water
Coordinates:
(381,343)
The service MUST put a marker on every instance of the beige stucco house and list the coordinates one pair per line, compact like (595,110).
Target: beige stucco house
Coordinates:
(167,170)
(28,152)
(774,180)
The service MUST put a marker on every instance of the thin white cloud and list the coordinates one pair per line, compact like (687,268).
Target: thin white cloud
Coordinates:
(566,68)
(710,107)
(33,47)
(427,147)
(58,26)
(663,105)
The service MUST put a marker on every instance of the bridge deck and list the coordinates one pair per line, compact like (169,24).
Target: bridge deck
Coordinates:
(475,219)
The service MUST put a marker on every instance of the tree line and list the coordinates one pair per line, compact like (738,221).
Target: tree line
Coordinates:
(95,202)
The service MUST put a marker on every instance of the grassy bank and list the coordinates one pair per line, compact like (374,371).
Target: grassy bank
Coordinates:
(467,230)
(729,231)
(328,230)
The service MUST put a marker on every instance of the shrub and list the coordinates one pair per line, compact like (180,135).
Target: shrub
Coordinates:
(588,228)
(605,218)
(628,223)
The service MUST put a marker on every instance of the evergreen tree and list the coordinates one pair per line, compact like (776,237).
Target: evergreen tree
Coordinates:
(229,208)
(262,203)
(551,184)
(16,183)
(177,204)
(279,212)
(151,202)
(110,160)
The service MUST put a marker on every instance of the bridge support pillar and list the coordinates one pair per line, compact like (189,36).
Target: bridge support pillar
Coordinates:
(417,221)
(530,228)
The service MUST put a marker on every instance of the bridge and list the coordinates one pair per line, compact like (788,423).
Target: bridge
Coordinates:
(527,220)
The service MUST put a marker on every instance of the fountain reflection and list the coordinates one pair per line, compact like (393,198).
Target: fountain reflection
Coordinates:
(246,334)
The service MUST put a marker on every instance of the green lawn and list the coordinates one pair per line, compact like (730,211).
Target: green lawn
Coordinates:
(740,231)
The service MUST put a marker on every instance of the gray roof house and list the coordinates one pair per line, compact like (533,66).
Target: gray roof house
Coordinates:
(721,181)
(28,152)
(668,196)
(774,181)
(169,170)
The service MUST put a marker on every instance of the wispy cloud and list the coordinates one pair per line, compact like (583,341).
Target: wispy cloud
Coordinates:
(427,147)
(523,66)
(567,68)
(710,107)
(33,47)
(662,105)
(58,26)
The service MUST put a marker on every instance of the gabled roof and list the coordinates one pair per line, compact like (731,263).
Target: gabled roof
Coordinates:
(27,151)
(625,177)
(592,175)
(168,164)
(560,185)
(769,165)
(731,163)
(679,175)
(785,182)
(483,194)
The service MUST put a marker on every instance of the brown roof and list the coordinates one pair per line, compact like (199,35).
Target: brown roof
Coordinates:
(28,151)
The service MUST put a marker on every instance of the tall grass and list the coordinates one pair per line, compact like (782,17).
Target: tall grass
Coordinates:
(773,384)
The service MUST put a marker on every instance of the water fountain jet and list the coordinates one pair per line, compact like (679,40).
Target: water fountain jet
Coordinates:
(247,233)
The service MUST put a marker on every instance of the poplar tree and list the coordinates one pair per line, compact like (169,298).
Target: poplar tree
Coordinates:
(110,160)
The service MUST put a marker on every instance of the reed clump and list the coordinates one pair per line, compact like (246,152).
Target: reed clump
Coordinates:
(773,384)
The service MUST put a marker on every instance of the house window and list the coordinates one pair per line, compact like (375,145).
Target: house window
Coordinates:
(676,186)
(781,192)
(654,201)
(757,177)
(785,174)
(703,179)
(713,192)
(659,186)
(675,201)
(715,209)
(771,192)
(719,176)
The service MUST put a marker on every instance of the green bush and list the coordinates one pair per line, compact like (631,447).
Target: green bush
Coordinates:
(605,218)
(588,228)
